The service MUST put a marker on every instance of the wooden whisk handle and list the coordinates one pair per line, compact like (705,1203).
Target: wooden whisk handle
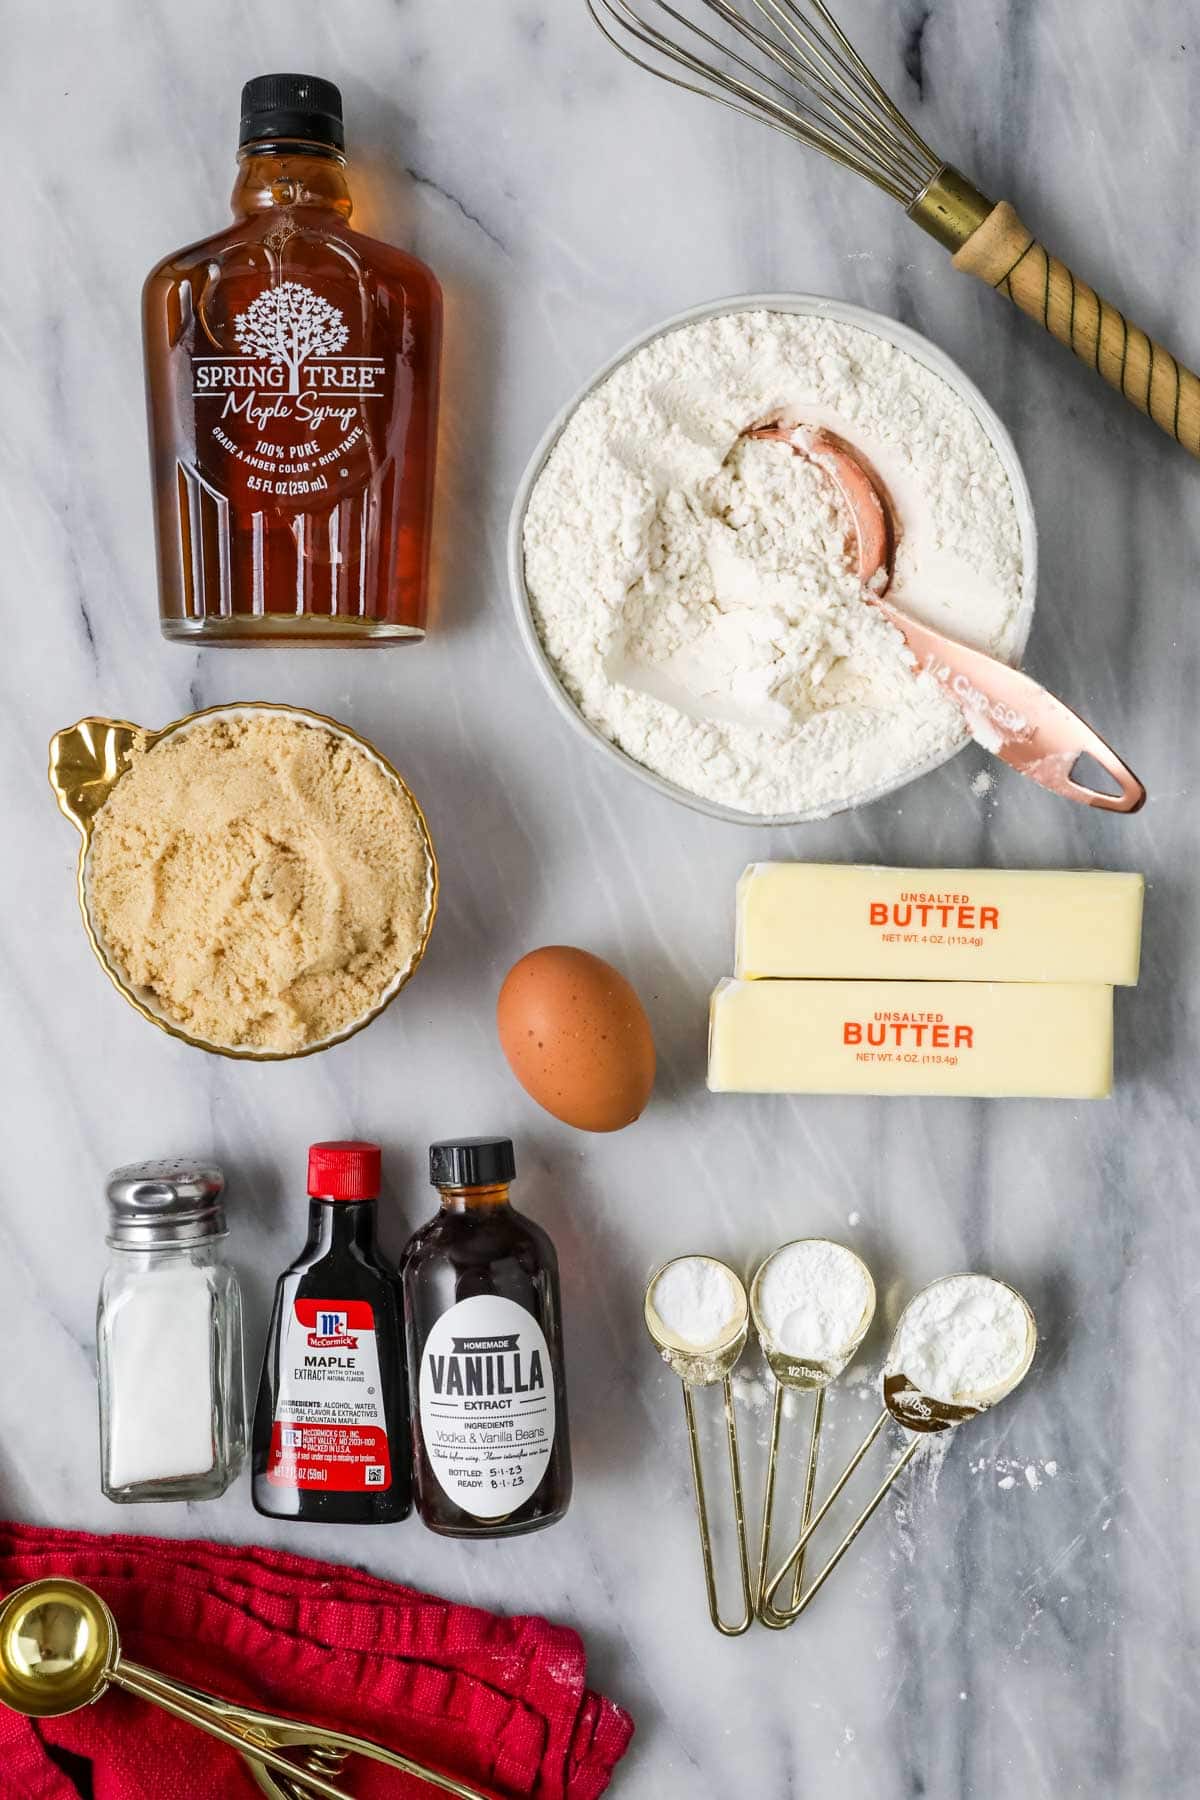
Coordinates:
(1005,254)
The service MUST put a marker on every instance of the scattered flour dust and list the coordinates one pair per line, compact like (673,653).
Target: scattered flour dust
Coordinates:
(750,1392)
(692,587)
(1010,1472)
(983,784)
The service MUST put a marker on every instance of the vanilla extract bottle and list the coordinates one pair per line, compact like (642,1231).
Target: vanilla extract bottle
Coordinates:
(483,1326)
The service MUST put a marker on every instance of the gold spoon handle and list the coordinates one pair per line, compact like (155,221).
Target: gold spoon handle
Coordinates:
(766,1613)
(1004,253)
(253,1735)
(793,1612)
(206,1717)
(727,1627)
(798,1548)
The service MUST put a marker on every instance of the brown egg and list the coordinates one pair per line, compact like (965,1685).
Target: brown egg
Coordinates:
(576,1038)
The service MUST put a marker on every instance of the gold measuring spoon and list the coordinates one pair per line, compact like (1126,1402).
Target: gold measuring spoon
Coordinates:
(60,1651)
(919,1414)
(795,1374)
(1009,714)
(703,1366)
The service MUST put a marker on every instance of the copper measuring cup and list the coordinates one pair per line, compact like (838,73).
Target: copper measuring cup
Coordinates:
(1009,714)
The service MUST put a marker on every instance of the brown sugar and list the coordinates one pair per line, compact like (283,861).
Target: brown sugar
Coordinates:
(262,880)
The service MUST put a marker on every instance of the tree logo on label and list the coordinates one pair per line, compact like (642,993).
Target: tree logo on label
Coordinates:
(289,324)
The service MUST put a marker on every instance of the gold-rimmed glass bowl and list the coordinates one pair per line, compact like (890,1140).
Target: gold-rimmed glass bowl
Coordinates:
(88,759)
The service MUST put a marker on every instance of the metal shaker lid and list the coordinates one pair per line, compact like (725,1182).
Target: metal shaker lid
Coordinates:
(173,1200)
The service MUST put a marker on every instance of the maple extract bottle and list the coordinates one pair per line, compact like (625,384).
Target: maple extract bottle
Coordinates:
(292,384)
(491,1447)
(331,1438)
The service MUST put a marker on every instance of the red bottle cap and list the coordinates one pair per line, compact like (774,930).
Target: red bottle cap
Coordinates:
(344,1171)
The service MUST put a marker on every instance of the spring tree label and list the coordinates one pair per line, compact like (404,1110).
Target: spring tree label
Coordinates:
(330,1431)
(486,1397)
(289,406)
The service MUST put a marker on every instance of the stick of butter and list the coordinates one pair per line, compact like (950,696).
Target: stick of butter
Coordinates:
(833,919)
(987,1038)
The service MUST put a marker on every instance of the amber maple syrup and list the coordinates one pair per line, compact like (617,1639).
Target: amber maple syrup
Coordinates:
(292,376)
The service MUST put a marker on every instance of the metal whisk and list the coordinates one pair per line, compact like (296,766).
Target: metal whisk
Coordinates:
(789,64)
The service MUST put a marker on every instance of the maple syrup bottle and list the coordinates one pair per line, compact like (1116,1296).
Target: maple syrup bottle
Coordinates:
(491,1448)
(331,1425)
(292,377)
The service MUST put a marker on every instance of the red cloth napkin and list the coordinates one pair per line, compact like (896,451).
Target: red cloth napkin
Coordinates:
(499,1702)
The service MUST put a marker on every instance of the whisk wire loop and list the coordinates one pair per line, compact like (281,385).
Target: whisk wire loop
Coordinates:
(750,101)
(870,136)
(827,98)
(874,88)
(857,86)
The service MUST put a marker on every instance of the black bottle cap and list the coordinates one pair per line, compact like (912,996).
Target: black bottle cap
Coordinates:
(471,1162)
(292,106)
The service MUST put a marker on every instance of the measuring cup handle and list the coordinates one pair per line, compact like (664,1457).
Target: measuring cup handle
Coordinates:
(86,761)
(1048,739)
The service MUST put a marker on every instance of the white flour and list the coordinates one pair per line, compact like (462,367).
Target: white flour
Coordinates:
(964,1340)
(692,589)
(812,1300)
(697,1300)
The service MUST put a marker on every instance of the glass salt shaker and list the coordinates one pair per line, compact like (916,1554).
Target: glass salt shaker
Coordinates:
(169,1338)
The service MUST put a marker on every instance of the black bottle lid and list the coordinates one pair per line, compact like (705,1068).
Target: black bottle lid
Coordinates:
(292,106)
(471,1162)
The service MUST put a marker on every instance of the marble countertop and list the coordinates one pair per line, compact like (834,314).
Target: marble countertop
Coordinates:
(989,1637)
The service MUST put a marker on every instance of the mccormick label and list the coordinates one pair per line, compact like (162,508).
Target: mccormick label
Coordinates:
(486,1399)
(329,1430)
(920,917)
(907,1037)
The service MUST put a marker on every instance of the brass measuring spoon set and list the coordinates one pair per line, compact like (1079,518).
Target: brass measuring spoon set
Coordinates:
(918,1414)
(60,1651)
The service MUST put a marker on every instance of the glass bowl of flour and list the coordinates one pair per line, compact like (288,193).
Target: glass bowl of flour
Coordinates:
(685,594)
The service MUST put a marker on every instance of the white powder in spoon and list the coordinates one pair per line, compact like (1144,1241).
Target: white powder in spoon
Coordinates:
(962,1340)
(811,1299)
(692,588)
(697,1300)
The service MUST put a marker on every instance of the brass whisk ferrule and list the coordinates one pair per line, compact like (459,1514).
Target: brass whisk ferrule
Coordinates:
(951,208)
